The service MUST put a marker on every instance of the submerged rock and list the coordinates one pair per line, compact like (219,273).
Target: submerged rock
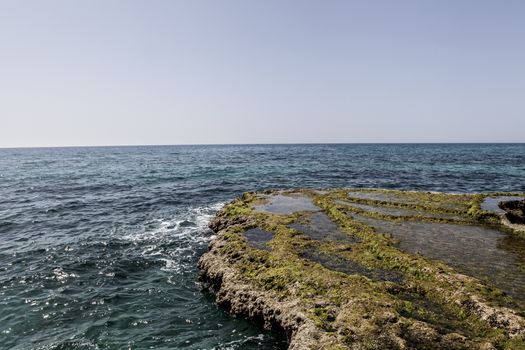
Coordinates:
(311,266)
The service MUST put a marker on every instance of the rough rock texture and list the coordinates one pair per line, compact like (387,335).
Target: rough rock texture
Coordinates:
(515,211)
(497,317)
(316,306)
(265,308)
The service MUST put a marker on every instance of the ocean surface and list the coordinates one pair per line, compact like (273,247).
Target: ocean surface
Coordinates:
(98,246)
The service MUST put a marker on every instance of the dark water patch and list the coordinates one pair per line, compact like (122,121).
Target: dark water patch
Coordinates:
(476,251)
(258,238)
(318,226)
(398,211)
(6,227)
(350,267)
(516,247)
(492,203)
(287,204)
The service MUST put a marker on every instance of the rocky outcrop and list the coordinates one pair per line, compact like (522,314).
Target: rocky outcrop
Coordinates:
(514,211)
(324,291)
(243,299)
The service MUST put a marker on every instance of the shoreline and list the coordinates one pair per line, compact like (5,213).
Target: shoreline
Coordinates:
(409,299)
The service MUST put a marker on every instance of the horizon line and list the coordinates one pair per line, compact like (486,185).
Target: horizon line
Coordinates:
(270,144)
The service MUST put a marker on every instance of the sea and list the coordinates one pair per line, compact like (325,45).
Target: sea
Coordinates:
(99,245)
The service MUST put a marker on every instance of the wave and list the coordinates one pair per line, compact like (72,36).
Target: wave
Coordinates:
(175,241)
(240,343)
(191,223)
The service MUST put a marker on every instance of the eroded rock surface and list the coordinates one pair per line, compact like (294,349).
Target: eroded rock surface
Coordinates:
(311,266)
(514,210)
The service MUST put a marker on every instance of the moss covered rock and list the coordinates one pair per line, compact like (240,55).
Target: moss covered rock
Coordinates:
(368,269)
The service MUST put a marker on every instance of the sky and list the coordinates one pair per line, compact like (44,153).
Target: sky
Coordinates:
(125,72)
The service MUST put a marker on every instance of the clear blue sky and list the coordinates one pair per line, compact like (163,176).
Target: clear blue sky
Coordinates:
(110,72)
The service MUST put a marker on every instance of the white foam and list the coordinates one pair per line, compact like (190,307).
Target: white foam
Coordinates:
(187,231)
(235,344)
(172,228)
(60,275)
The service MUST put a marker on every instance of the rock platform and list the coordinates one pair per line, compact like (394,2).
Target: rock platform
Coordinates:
(371,269)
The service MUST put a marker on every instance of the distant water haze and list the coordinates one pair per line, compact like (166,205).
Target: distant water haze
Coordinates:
(233,71)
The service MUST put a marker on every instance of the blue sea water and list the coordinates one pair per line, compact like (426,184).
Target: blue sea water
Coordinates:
(98,246)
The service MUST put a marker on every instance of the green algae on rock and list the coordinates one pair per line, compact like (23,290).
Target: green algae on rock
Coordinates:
(323,274)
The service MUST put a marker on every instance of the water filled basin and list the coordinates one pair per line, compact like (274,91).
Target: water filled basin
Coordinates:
(286,204)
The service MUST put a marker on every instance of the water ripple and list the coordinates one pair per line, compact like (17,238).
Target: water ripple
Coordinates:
(98,246)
